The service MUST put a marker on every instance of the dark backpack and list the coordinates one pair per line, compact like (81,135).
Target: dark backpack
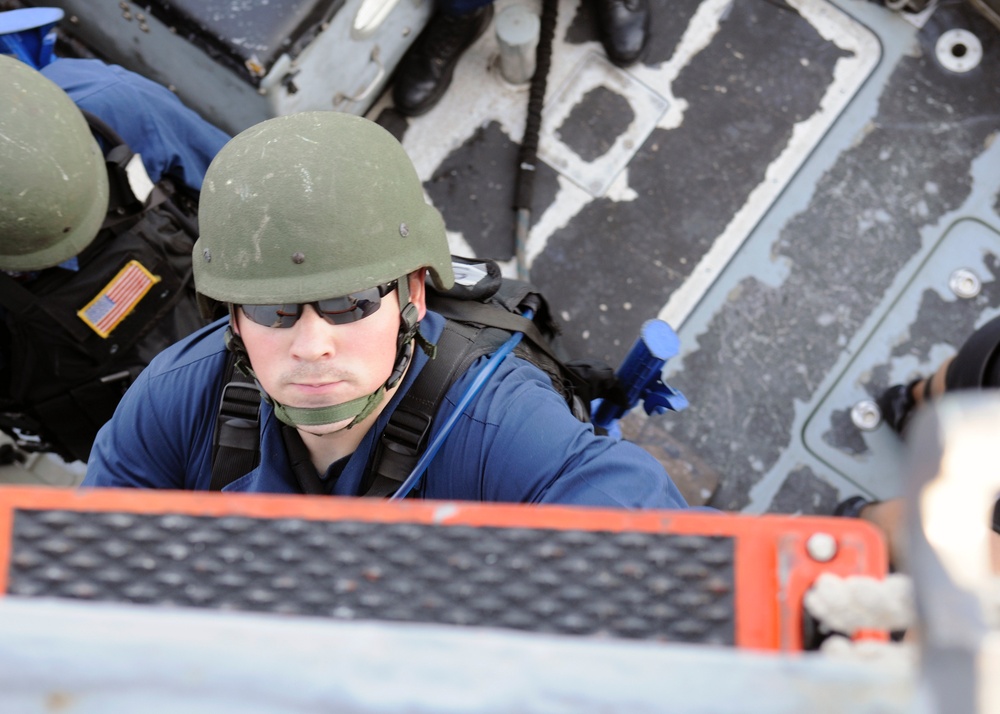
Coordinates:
(62,378)
(482,311)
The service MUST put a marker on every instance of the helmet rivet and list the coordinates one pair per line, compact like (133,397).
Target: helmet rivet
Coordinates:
(298,258)
(404,230)
(207,255)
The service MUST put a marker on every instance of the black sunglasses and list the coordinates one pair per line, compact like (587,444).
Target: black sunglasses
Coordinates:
(336,311)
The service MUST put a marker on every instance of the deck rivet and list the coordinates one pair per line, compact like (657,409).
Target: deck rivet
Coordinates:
(964,283)
(866,415)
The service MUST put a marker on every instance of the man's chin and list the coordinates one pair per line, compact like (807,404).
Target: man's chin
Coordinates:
(326,429)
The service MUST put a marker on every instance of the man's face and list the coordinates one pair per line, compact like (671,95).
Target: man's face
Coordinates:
(316,364)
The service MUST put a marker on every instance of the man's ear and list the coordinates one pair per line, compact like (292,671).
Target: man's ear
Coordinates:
(418,292)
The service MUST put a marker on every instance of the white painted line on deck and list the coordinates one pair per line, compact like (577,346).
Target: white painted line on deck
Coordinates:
(849,74)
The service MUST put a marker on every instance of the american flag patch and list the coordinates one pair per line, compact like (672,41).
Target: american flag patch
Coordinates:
(118,298)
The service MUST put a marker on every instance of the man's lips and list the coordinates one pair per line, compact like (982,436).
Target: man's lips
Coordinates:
(316,387)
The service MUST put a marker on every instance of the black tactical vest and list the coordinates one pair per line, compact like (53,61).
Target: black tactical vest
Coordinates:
(76,339)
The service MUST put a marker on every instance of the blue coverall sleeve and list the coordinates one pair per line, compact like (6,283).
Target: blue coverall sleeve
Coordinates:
(161,432)
(129,450)
(173,139)
(527,447)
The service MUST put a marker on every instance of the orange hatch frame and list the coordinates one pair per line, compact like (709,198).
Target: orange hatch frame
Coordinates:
(773,567)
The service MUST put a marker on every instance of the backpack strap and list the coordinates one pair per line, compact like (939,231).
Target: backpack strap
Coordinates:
(236,442)
(490,316)
(405,436)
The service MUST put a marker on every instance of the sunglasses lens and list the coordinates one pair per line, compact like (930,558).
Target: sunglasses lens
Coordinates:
(350,308)
(336,311)
(273,315)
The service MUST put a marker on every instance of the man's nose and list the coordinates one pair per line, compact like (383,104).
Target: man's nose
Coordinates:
(313,337)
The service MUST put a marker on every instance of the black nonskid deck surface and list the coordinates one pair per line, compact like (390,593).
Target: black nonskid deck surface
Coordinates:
(837,286)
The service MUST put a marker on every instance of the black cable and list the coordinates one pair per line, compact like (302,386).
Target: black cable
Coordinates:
(528,155)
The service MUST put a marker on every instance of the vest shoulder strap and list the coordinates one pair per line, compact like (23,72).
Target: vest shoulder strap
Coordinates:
(406,433)
(236,441)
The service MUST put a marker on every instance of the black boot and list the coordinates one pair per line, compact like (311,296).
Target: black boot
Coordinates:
(424,72)
(624,29)
(896,404)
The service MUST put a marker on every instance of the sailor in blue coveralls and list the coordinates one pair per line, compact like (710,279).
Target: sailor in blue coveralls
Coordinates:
(316,235)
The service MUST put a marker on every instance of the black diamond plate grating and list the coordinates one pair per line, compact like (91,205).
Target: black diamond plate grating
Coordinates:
(656,586)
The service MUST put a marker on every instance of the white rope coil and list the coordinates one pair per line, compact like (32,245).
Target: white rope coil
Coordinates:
(848,604)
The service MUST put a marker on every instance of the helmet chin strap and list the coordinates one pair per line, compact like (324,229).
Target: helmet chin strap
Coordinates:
(357,409)
(317,416)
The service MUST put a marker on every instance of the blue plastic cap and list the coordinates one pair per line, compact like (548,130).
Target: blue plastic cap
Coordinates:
(660,339)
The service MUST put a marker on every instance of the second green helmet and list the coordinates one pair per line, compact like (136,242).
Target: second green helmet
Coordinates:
(53,180)
(310,206)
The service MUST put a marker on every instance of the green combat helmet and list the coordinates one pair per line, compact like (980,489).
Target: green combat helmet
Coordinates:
(312,206)
(53,180)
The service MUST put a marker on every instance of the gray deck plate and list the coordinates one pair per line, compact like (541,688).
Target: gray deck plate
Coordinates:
(741,94)
(922,327)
